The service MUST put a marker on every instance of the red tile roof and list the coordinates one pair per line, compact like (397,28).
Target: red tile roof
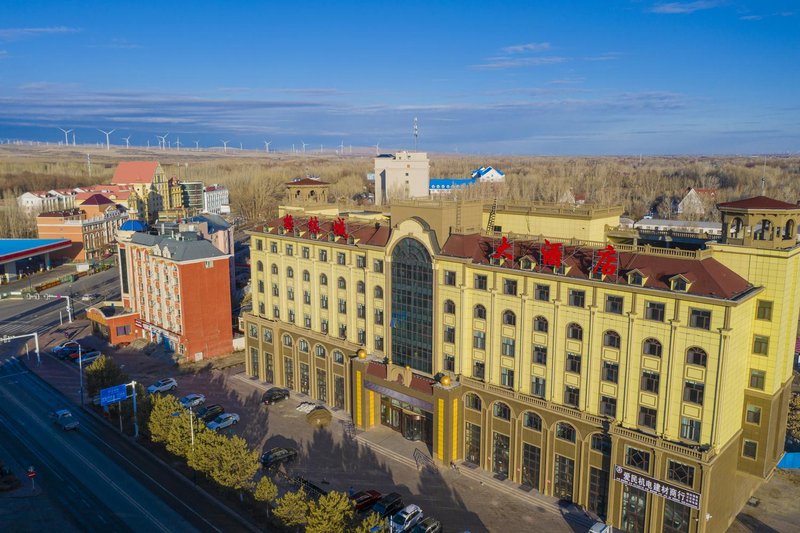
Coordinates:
(759,202)
(94,199)
(307,181)
(709,277)
(366,233)
(134,172)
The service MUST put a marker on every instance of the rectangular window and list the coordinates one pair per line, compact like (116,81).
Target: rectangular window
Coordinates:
(307,321)
(267,334)
(479,340)
(449,334)
(690,429)
(510,287)
(677,517)
(290,293)
(654,311)
(537,387)
(273,247)
(379,342)
(306,252)
(275,289)
(253,329)
(764,310)
(508,347)
(693,392)
(608,406)
(753,415)
(542,293)
(209,264)
(361,311)
(307,297)
(647,417)
(760,344)
(323,326)
(259,244)
(700,318)
(323,256)
(540,354)
(449,363)
(124,330)
(341,258)
(507,377)
(750,449)
(650,381)
(343,332)
(577,298)
(261,286)
(450,278)
(478,370)
(377,266)
(573,363)
(276,312)
(481,282)
(379,317)
(342,305)
(361,261)
(291,316)
(610,371)
(614,304)
(680,472)
(289,250)
(572,396)
(757,379)
(638,459)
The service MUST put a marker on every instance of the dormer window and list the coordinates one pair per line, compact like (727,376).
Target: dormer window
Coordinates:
(596,274)
(561,270)
(679,284)
(526,263)
(635,278)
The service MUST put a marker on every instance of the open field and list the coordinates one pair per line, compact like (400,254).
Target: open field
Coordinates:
(256,179)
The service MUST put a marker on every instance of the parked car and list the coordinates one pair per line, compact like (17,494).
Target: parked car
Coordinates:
(388,505)
(601,527)
(428,525)
(89,297)
(64,419)
(193,400)
(65,349)
(276,456)
(86,358)
(209,412)
(406,518)
(223,421)
(307,407)
(365,499)
(274,395)
(162,385)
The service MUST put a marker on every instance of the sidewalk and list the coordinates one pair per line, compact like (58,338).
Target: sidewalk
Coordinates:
(26,489)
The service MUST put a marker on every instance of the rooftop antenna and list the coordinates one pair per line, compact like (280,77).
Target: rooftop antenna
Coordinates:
(266,145)
(416,133)
(377,147)
(764,178)
(66,135)
(178,143)
(225,145)
(127,141)
(304,146)
(108,137)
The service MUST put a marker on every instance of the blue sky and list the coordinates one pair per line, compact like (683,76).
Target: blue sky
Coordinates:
(532,77)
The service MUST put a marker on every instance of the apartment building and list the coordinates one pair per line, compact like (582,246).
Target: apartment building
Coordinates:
(631,393)
(216,200)
(401,176)
(46,201)
(180,287)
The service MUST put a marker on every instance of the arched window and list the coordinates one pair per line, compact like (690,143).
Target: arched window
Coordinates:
(574,332)
(736,228)
(341,283)
(565,432)
(412,298)
(289,272)
(540,324)
(449,307)
(260,266)
(323,279)
(302,344)
(479,312)
(696,356)
(509,318)
(611,339)
(287,340)
(338,357)
(378,291)
(274,268)
(361,287)
(320,351)
(532,421)
(472,401)
(652,347)
(306,276)
(501,411)
(788,230)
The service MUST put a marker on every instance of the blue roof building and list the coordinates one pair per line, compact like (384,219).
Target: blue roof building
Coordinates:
(440,185)
(488,174)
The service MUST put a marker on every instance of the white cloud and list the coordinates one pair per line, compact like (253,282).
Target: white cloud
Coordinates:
(10,34)
(527,47)
(502,63)
(679,8)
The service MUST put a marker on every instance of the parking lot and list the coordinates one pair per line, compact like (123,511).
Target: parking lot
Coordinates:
(336,457)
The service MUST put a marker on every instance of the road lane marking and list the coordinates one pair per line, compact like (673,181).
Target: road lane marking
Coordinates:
(15,374)
(7,425)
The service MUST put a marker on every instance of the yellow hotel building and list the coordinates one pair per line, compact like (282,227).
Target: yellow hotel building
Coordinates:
(656,398)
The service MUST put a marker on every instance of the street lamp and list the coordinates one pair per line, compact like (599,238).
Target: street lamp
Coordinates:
(191,422)
(80,367)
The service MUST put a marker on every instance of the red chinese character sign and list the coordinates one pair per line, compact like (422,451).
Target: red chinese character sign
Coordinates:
(607,261)
(313,226)
(551,254)
(503,251)
(288,223)
(339,228)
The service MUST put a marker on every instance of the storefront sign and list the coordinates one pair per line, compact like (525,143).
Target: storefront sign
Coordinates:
(654,486)
(399,396)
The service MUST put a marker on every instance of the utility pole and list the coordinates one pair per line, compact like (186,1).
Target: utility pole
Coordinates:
(35,335)
(135,418)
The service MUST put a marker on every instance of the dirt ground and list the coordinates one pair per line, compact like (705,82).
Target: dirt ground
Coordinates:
(778,509)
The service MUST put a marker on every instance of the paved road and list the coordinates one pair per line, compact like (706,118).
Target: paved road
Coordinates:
(26,316)
(96,478)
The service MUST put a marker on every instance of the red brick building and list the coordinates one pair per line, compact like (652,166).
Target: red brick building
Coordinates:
(180,286)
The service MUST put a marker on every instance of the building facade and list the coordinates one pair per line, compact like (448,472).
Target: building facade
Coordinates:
(216,200)
(193,196)
(402,176)
(46,201)
(180,287)
(655,396)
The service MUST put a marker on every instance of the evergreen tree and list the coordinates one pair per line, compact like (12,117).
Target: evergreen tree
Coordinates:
(292,509)
(161,420)
(330,514)
(371,521)
(266,491)
(104,372)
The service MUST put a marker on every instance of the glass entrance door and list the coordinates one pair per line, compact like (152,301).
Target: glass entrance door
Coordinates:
(412,426)
(500,454)
(564,478)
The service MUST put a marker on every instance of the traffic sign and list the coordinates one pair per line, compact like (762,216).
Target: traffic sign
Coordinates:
(31,472)
(113,394)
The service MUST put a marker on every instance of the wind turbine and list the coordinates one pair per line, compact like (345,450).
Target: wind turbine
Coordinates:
(341,148)
(66,136)
(108,137)
(377,147)
(197,145)
(225,144)
(320,148)
(73,138)
(240,147)
(266,145)
(162,141)
(127,141)
(178,143)
(304,146)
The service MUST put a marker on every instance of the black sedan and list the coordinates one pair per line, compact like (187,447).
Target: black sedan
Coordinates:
(276,456)
(209,412)
(274,395)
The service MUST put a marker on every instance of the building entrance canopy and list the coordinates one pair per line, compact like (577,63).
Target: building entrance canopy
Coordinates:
(386,391)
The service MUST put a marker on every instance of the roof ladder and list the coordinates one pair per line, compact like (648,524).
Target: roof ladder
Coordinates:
(492,213)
